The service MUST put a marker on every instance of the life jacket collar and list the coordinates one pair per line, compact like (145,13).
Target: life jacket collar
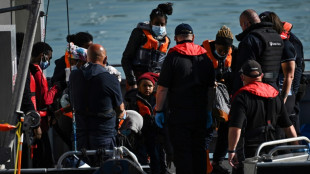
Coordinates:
(215,59)
(188,48)
(287,26)
(144,25)
(259,89)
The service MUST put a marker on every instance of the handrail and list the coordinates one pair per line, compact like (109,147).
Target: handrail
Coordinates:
(116,153)
(286,147)
(69,153)
(280,142)
(116,65)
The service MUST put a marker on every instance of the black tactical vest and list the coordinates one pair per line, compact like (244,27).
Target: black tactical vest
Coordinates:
(270,58)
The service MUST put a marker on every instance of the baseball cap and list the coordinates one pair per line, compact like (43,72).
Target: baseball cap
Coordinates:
(183,29)
(249,68)
(264,15)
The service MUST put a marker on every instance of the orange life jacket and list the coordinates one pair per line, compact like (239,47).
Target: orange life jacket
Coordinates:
(206,45)
(287,26)
(143,109)
(152,43)
(150,56)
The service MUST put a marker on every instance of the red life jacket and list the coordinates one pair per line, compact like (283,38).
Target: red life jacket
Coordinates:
(259,89)
(206,45)
(33,91)
(188,48)
(44,83)
(287,29)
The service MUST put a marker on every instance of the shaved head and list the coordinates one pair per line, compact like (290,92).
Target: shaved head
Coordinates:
(248,17)
(96,54)
(251,16)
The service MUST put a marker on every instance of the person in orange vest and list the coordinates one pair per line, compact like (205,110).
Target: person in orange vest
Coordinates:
(221,52)
(44,96)
(147,46)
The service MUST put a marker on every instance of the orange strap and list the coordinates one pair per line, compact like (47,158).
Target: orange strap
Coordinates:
(120,123)
(68,114)
(6,127)
(67,59)
(209,165)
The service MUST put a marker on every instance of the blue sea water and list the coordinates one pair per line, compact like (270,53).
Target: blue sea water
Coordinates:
(111,22)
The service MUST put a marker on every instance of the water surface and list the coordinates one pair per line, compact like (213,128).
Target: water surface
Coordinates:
(111,22)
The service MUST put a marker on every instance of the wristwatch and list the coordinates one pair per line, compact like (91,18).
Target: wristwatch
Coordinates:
(231,151)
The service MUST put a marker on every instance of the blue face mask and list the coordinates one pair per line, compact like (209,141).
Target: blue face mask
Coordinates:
(158,30)
(44,64)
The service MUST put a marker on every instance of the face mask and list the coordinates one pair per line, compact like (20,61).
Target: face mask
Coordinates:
(73,67)
(218,55)
(158,30)
(126,132)
(44,64)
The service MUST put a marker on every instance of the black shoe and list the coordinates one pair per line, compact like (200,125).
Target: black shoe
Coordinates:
(220,169)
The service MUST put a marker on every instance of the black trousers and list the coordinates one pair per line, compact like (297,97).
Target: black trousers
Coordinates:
(42,155)
(188,133)
(221,143)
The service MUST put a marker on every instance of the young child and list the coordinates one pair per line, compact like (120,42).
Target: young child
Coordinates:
(144,102)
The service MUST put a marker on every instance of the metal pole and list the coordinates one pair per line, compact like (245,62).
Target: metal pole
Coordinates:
(20,7)
(23,67)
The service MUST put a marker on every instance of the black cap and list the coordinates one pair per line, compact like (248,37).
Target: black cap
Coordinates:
(183,29)
(249,68)
(263,15)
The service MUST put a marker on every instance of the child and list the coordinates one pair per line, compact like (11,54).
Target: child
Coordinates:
(144,102)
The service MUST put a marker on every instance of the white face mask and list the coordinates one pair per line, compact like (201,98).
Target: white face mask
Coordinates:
(158,30)
(218,55)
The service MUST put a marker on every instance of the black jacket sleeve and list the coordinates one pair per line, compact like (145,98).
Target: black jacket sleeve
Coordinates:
(27,104)
(59,71)
(137,38)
